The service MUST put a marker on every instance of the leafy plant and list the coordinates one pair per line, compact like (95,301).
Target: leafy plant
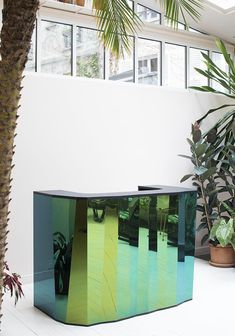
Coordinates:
(212,176)
(11,282)
(223,233)
(213,152)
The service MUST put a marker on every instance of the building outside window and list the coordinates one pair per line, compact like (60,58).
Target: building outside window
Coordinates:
(56,48)
(196,61)
(175,65)
(122,69)
(149,62)
(90,54)
(31,63)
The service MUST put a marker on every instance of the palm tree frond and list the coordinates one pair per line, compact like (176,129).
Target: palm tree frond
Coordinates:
(116,22)
(175,8)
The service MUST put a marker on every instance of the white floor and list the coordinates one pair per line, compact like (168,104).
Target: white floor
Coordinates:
(211,312)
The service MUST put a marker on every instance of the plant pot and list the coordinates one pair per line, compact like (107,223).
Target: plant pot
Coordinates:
(80,2)
(222,256)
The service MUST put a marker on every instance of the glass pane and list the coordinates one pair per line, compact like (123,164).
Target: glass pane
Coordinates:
(167,23)
(149,61)
(148,15)
(192,30)
(175,59)
(90,54)
(56,54)
(196,61)
(31,63)
(122,69)
(218,59)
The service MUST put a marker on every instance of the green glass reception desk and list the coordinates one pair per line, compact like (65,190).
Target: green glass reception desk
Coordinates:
(106,257)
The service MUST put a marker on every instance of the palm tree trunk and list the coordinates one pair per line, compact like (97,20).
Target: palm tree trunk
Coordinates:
(19,18)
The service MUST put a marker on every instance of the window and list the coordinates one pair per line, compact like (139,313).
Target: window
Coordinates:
(148,15)
(175,65)
(219,60)
(196,61)
(149,61)
(90,54)
(31,63)
(181,26)
(56,48)
(122,69)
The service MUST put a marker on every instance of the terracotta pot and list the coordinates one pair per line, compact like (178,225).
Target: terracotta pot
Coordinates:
(222,256)
(80,2)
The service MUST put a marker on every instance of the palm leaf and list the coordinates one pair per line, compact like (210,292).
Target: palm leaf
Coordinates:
(116,22)
(175,8)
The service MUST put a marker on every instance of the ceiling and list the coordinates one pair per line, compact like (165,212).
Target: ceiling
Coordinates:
(217,19)
(224,4)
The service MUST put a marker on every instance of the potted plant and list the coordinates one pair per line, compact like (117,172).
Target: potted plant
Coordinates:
(222,243)
(213,154)
(80,2)
(214,179)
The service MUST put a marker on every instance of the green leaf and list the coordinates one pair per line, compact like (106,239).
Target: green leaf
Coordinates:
(202,226)
(186,177)
(229,209)
(200,170)
(210,172)
(185,156)
(201,149)
(225,232)
(197,135)
(213,231)
(116,23)
(204,239)
(176,8)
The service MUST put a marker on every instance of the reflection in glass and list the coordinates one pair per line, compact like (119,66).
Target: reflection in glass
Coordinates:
(31,62)
(56,48)
(219,60)
(104,259)
(175,65)
(196,61)
(149,61)
(148,15)
(90,54)
(122,69)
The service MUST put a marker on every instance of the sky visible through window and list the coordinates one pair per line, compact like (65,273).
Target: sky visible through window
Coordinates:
(225,4)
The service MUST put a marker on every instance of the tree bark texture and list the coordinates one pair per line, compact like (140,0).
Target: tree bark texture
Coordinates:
(18,23)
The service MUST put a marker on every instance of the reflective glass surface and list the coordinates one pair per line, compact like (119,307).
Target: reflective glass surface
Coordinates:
(219,60)
(175,65)
(90,54)
(31,62)
(148,15)
(56,48)
(196,61)
(100,260)
(122,69)
(149,61)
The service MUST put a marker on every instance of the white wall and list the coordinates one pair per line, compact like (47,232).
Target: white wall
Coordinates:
(91,135)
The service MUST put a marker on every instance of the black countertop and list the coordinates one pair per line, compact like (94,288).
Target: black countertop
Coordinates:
(142,191)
